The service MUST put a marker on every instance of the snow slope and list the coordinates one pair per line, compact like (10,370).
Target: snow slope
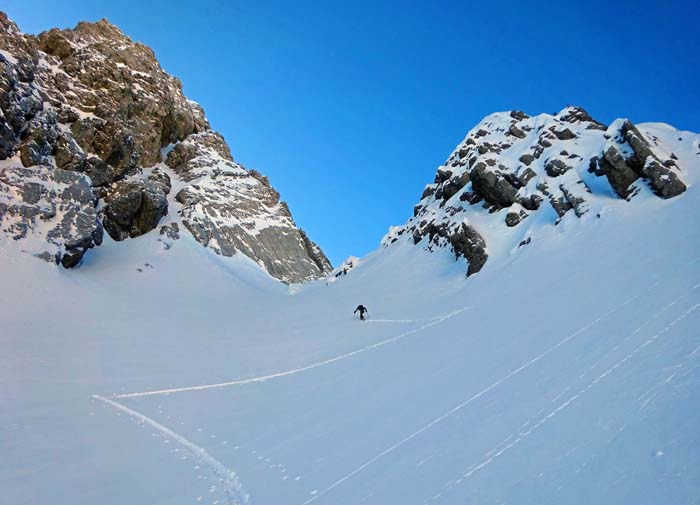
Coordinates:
(564,372)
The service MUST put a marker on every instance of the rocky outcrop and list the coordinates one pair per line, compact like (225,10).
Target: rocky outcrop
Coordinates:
(91,103)
(55,207)
(134,207)
(230,209)
(511,163)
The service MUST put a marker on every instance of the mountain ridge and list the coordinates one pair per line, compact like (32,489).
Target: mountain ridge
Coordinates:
(511,167)
(89,112)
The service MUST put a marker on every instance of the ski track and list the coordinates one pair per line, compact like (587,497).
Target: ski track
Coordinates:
(493,454)
(235,494)
(231,484)
(468,401)
(294,371)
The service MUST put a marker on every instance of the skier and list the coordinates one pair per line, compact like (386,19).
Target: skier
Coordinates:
(362,309)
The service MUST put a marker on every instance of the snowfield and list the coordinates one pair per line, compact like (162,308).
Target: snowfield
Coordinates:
(567,371)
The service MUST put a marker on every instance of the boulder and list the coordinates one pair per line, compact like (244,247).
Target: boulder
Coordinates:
(527,159)
(556,167)
(514,218)
(492,187)
(516,132)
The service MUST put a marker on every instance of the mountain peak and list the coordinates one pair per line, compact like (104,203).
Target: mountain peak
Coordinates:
(95,135)
(512,167)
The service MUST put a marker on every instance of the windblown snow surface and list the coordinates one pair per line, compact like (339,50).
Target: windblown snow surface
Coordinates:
(566,372)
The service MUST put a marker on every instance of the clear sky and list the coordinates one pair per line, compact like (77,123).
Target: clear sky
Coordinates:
(350,106)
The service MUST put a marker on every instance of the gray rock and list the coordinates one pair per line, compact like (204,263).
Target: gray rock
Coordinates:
(68,154)
(442,175)
(527,159)
(38,139)
(100,173)
(577,202)
(133,208)
(556,167)
(526,176)
(171,231)
(514,218)
(516,132)
(160,178)
(58,201)
(454,185)
(492,187)
(532,202)
(428,191)
(563,134)
(620,175)
(663,180)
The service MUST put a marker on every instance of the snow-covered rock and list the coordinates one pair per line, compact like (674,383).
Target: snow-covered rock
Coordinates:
(513,173)
(89,100)
(50,212)
(343,269)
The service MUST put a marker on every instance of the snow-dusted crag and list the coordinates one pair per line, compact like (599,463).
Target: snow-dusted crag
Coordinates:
(513,173)
(95,135)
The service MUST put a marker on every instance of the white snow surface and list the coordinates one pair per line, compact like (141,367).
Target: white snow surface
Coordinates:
(565,372)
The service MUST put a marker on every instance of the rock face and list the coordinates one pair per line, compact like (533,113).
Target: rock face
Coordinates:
(52,210)
(499,176)
(94,109)
(230,209)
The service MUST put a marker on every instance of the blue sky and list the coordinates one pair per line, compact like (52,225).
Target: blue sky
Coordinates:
(349,107)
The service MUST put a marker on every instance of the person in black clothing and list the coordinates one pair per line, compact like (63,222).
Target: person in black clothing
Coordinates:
(361,309)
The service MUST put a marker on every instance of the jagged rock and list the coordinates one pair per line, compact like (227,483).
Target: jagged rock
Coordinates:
(428,191)
(526,176)
(663,180)
(556,167)
(38,139)
(467,242)
(518,115)
(171,231)
(464,240)
(454,185)
(67,153)
(223,213)
(628,157)
(100,173)
(61,200)
(619,174)
(472,197)
(133,208)
(137,108)
(560,204)
(442,175)
(315,253)
(18,102)
(532,202)
(492,187)
(514,218)
(197,154)
(577,202)
(93,102)
(569,151)
(563,134)
(516,132)
(159,177)
(527,159)
(577,115)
